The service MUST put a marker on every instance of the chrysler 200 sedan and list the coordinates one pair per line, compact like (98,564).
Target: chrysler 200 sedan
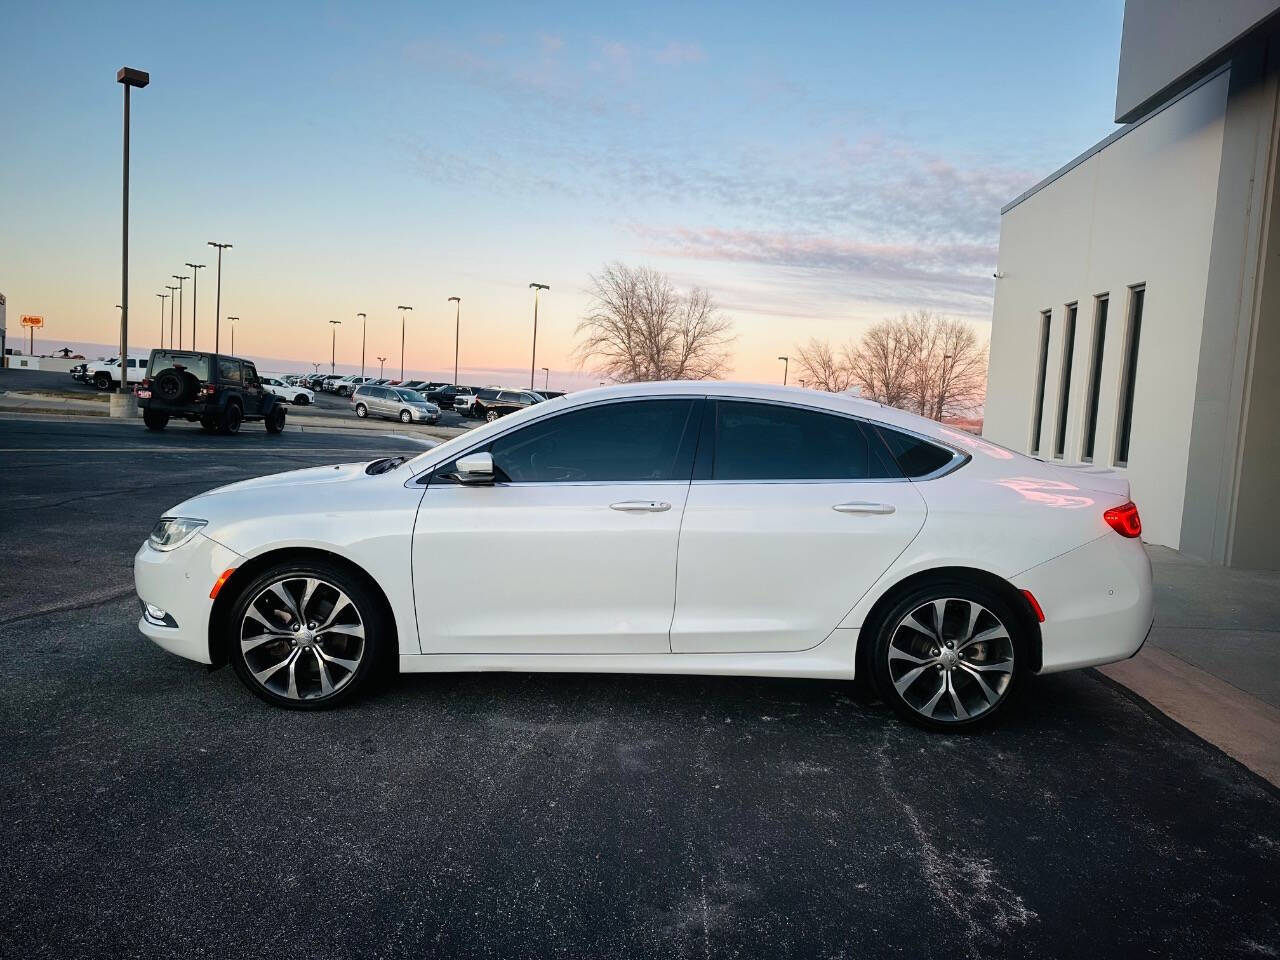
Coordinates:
(665,528)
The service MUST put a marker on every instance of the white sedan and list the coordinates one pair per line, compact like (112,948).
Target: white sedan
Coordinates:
(288,391)
(665,528)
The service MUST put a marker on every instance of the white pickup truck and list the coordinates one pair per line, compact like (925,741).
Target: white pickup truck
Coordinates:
(105,374)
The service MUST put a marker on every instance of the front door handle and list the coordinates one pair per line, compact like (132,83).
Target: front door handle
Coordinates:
(862,506)
(640,506)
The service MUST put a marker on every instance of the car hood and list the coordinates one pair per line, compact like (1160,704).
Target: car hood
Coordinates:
(307,477)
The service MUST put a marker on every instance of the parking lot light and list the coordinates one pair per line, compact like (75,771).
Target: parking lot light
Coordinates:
(546,378)
(457,325)
(333,346)
(537,288)
(364,322)
(129,78)
(195,269)
(163,297)
(217,308)
(172,301)
(382,362)
(402,309)
(180,316)
(233,334)
(786,362)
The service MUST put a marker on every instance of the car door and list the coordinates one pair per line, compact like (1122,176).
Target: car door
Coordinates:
(254,393)
(792,515)
(377,402)
(572,550)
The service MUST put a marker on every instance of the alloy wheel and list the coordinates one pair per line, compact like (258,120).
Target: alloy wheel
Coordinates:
(302,638)
(951,660)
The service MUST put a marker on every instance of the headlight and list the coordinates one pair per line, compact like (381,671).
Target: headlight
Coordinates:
(172,532)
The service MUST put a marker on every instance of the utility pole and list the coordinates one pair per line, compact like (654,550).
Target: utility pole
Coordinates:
(786,363)
(163,297)
(195,274)
(172,300)
(402,309)
(457,325)
(233,334)
(129,78)
(333,346)
(180,316)
(217,308)
(364,322)
(537,288)
(382,362)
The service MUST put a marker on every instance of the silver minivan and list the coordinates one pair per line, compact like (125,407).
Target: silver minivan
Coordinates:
(403,405)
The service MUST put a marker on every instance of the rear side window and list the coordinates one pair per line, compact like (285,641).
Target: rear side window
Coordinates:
(915,457)
(765,441)
(196,363)
(228,370)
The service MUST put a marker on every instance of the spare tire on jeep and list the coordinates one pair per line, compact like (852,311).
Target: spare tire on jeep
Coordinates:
(175,385)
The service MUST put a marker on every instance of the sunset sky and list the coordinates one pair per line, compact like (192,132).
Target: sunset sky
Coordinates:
(817,167)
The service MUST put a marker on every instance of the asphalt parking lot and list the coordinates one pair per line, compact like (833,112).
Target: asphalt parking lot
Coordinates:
(152,808)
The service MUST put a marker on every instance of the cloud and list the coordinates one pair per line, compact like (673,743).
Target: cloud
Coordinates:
(676,52)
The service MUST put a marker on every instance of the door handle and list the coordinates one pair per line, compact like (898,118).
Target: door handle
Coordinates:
(863,507)
(641,506)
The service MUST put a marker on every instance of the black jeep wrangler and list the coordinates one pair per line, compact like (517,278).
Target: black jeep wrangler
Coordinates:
(217,391)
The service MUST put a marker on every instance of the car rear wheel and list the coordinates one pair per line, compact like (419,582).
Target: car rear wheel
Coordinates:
(301,400)
(361,410)
(948,655)
(307,636)
(491,416)
(102,381)
(232,417)
(406,416)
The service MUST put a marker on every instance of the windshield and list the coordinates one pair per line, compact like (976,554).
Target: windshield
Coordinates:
(408,395)
(196,363)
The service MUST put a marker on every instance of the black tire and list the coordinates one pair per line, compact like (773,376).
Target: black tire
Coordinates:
(209,424)
(301,400)
(275,420)
(917,651)
(232,418)
(102,381)
(406,416)
(155,420)
(491,416)
(375,654)
(175,386)
(361,411)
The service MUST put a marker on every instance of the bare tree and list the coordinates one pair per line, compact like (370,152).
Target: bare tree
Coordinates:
(822,368)
(640,328)
(934,366)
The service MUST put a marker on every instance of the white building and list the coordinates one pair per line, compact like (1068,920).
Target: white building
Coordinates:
(1137,309)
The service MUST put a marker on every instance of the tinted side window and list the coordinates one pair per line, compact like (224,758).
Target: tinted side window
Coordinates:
(250,374)
(765,441)
(915,457)
(634,440)
(228,370)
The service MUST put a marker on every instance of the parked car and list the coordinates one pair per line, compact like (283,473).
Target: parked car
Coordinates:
(492,404)
(380,382)
(345,386)
(299,396)
(444,396)
(105,374)
(80,372)
(420,386)
(395,402)
(818,536)
(217,391)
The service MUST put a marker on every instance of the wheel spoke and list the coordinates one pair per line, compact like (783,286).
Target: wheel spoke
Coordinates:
(311,584)
(961,712)
(896,653)
(986,691)
(339,605)
(915,624)
(997,632)
(326,685)
(262,676)
(347,629)
(253,643)
(285,597)
(348,665)
(939,615)
(975,611)
(252,613)
(929,708)
(293,676)
(1001,666)
(908,678)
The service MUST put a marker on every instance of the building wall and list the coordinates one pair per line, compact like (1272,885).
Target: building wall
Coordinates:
(1139,211)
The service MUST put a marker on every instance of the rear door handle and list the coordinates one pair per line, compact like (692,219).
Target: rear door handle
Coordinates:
(862,506)
(641,506)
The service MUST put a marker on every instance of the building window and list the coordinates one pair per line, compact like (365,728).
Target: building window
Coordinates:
(1095,376)
(1064,392)
(1129,374)
(1045,317)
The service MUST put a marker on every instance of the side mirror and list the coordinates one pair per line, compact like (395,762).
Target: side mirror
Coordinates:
(475,468)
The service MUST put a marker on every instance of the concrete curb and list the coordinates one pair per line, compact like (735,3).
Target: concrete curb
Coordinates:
(1241,726)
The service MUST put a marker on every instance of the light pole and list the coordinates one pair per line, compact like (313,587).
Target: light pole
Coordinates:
(172,301)
(457,326)
(402,309)
(786,363)
(163,297)
(217,307)
(546,378)
(195,275)
(364,322)
(537,288)
(180,317)
(129,77)
(233,334)
(382,362)
(333,346)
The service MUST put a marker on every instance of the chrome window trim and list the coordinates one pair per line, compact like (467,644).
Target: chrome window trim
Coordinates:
(958,457)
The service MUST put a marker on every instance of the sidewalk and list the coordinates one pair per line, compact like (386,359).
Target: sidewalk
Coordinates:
(1212,662)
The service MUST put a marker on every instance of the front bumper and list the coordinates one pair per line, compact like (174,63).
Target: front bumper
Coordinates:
(178,582)
(1098,603)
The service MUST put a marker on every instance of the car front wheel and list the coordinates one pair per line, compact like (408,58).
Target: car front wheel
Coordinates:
(405,416)
(301,400)
(361,410)
(948,655)
(307,636)
(491,416)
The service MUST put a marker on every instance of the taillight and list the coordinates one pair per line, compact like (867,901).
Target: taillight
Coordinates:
(210,389)
(1124,520)
(146,382)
